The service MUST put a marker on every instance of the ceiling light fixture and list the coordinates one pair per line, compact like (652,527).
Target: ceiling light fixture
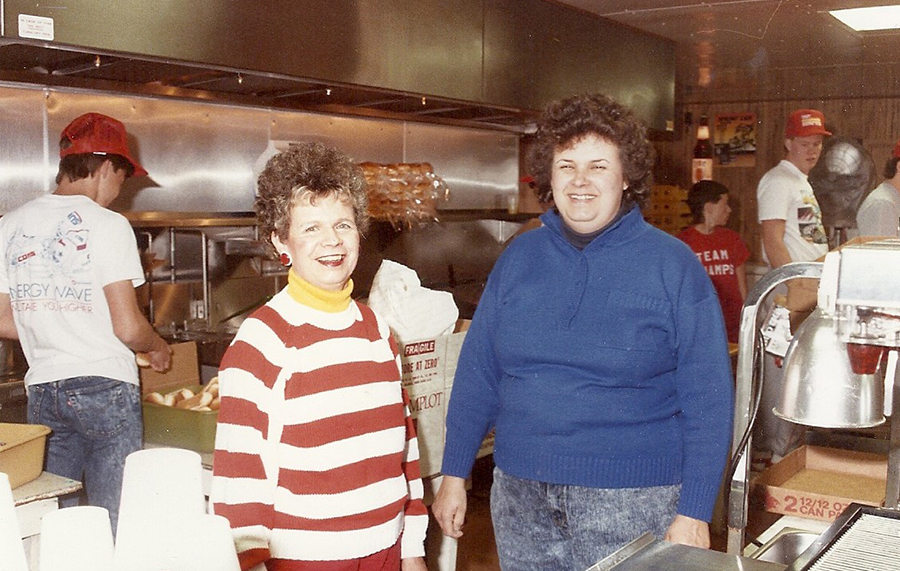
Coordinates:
(870,19)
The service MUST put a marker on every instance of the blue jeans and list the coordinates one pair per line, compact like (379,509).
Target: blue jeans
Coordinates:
(553,527)
(96,423)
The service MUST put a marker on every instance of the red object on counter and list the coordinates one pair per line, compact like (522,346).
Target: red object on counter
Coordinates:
(864,358)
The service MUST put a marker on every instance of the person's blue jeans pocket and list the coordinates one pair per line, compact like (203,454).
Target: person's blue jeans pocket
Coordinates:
(96,423)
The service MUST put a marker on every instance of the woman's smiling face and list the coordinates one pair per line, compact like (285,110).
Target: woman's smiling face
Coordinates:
(323,240)
(588,181)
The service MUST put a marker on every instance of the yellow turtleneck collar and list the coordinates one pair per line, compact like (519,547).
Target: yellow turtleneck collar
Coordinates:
(317,298)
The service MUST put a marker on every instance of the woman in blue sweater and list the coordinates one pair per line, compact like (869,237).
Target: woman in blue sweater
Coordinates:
(598,352)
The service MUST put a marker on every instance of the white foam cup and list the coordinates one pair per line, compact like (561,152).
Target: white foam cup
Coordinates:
(160,488)
(76,539)
(13,558)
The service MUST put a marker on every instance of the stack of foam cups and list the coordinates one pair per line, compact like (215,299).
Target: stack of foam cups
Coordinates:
(161,489)
(76,539)
(13,553)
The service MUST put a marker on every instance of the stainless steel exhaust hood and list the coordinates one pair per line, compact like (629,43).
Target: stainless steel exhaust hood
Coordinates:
(484,63)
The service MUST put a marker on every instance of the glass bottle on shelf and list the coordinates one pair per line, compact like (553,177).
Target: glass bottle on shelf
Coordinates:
(701,164)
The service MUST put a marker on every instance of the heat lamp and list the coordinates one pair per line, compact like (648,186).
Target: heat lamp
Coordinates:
(841,368)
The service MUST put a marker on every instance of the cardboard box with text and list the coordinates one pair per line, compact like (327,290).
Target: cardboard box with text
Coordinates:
(819,483)
(429,366)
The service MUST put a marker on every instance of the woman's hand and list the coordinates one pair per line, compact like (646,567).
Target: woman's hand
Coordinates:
(413,564)
(449,506)
(688,531)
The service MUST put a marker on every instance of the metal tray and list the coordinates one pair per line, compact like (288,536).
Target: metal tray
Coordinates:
(844,524)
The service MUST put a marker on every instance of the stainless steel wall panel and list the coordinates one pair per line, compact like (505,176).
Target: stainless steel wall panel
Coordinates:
(480,167)
(24,168)
(514,54)
(428,47)
(431,47)
(199,157)
(204,157)
(537,51)
(364,139)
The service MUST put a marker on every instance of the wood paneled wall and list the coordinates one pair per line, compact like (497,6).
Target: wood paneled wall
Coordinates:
(872,119)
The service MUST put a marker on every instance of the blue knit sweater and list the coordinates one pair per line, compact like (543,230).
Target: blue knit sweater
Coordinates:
(606,367)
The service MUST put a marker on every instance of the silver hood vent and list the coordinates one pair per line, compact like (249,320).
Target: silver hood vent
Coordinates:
(477,62)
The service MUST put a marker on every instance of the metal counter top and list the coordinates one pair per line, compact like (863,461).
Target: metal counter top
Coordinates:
(649,554)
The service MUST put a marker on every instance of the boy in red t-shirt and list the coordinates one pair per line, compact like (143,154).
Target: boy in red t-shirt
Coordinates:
(720,250)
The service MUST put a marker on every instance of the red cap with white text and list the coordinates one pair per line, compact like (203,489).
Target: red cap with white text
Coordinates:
(805,122)
(93,133)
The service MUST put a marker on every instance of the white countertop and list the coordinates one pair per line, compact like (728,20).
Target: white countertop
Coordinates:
(46,486)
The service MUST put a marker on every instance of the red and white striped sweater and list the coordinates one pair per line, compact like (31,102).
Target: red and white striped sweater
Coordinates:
(316,454)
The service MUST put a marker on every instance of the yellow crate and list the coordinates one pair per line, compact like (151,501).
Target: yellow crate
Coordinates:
(22,449)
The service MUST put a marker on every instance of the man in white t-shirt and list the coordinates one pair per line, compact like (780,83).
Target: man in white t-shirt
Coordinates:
(879,214)
(789,215)
(67,276)
(792,231)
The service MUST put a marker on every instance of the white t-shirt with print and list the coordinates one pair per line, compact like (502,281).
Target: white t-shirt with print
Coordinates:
(784,193)
(58,254)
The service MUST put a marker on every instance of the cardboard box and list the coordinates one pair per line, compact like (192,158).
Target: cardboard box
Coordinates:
(428,369)
(22,448)
(428,366)
(819,483)
(169,426)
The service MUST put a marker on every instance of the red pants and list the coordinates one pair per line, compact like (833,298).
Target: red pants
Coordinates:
(385,560)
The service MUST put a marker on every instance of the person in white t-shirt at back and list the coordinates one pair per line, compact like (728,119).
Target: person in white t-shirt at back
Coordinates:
(67,278)
(792,231)
(879,214)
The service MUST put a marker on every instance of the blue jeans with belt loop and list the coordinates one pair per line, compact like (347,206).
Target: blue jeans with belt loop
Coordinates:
(96,423)
(554,527)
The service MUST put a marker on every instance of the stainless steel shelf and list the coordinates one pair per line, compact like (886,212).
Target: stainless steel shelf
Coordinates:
(189,219)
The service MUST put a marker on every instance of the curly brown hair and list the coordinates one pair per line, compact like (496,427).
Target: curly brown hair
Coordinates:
(307,167)
(567,121)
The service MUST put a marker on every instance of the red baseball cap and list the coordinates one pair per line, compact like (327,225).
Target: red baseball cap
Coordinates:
(896,152)
(805,122)
(93,133)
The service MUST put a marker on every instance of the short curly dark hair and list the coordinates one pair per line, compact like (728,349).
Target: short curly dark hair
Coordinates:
(567,121)
(307,167)
(702,193)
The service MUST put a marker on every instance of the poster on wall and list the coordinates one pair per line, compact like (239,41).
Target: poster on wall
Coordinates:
(734,139)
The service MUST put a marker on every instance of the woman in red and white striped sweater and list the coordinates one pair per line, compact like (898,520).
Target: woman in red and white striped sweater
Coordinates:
(316,463)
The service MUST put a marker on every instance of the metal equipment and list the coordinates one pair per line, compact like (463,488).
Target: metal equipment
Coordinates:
(746,386)
(858,313)
(862,538)
(649,554)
